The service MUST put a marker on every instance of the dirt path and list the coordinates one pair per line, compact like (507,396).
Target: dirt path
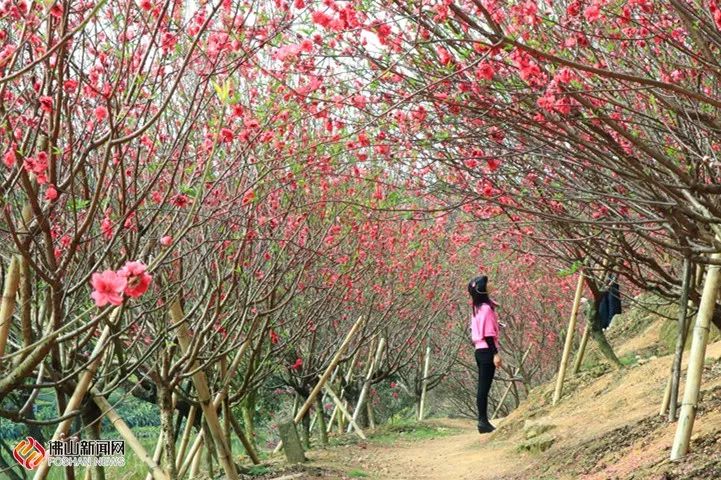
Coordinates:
(457,456)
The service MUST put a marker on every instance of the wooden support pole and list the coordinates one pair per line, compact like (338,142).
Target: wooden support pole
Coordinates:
(424,385)
(81,389)
(127,434)
(341,408)
(193,456)
(195,461)
(510,384)
(696,360)
(189,421)
(7,306)
(207,404)
(366,385)
(157,453)
(316,417)
(326,375)
(328,371)
(346,378)
(569,339)
(581,348)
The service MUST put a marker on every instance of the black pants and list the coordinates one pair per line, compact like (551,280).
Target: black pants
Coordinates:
(486,371)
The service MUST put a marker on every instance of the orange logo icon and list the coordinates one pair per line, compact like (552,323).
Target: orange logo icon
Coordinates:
(29,453)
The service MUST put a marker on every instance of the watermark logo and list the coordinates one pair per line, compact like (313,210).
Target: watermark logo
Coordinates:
(29,453)
(87,453)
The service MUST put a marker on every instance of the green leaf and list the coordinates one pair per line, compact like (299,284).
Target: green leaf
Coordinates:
(189,191)
(76,204)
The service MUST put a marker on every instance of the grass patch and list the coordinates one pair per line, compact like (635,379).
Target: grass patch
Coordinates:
(257,470)
(408,430)
(357,474)
(628,359)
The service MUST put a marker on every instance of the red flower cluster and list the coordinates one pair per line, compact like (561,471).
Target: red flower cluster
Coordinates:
(110,286)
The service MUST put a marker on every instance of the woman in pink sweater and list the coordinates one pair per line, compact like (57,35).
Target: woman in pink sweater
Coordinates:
(484,334)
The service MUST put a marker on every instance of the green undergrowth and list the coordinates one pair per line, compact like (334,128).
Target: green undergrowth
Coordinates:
(394,431)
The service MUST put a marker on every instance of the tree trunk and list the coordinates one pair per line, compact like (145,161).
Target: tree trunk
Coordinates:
(305,422)
(600,337)
(321,421)
(166,426)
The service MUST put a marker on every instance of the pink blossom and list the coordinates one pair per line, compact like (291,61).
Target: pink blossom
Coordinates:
(101,113)
(38,166)
(56,10)
(70,85)
(485,71)
(444,56)
(321,19)
(10,158)
(226,135)
(359,101)
(138,280)
(46,104)
(564,75)
(51,194)
(248,197)
(180,200)
(108,288)
(592,12)
(166,240)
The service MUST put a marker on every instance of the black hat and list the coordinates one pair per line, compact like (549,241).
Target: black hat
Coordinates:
(477,286)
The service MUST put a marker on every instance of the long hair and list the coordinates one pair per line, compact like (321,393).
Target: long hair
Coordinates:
(478,292)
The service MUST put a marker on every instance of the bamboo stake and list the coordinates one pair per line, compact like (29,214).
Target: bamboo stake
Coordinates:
(424,386)
(326,375)
(696,360)
(189,421)
(81,389)
(508,389)
(666,397)
(7,306)
(323,399)
(367,383)
(581,349)
(217,401)
(347,378)
(569,340)
(344,411)
(127,434)
(195,466)
(328,371)
(157,453)
(193,457)
(207,404)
